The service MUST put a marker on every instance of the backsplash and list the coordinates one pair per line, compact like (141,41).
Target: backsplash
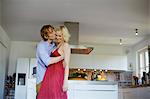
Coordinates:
(122,77)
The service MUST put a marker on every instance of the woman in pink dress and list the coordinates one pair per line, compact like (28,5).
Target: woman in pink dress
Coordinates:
(55,82)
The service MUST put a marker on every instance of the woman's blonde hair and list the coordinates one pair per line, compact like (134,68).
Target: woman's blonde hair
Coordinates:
(65,33)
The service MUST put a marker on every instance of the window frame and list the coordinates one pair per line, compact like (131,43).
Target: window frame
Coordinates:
(143,52)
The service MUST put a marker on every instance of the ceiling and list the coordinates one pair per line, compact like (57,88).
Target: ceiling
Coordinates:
(101,21)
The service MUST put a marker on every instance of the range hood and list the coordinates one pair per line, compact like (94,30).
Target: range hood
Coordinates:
(73,28)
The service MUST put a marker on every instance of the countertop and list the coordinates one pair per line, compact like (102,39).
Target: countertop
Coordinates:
(136,86)
(92,82)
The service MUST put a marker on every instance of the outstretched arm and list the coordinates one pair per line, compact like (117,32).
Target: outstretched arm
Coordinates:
(67,60)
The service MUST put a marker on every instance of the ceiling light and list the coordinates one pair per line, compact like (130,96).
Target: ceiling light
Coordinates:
(136,32)
(120,41)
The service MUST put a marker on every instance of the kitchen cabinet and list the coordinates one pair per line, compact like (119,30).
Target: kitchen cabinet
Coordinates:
(21,78)
(130,94)
(109,62)
(92,90)
(81,61)
(31,88)
(97,94)
(134,93)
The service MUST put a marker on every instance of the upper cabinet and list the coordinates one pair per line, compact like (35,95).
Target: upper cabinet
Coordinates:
(110,57)
(109,62)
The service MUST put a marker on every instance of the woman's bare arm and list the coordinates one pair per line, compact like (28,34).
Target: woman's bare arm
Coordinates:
(66,60)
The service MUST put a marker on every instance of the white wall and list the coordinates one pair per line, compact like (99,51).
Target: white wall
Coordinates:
(20,49)
(6,42)
(4,37)
(4,57)
(132,57)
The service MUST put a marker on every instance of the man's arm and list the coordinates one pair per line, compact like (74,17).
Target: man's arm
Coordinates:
(45,57)
(55,59)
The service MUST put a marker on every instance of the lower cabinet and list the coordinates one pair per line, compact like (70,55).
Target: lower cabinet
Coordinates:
(134,93)
(95,94)
(81,91)
(31,88)
(131,94)
(92,94)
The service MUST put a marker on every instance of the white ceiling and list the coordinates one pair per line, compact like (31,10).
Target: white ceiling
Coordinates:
(101,21)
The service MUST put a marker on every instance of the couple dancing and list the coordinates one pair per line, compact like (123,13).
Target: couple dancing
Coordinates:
(53,55)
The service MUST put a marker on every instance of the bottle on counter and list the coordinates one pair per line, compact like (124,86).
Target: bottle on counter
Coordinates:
(135,81)
(89,76)
(94,75)
(102,76)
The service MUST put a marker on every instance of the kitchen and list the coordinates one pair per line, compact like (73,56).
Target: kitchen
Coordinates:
(110,27)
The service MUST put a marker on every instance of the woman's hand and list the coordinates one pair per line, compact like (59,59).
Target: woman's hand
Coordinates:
(65,85)
(64,63)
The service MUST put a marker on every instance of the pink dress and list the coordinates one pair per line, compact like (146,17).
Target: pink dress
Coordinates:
(52,84)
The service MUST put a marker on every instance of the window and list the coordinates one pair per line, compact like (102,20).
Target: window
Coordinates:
(143,62)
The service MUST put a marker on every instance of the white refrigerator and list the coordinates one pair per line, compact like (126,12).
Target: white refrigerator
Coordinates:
(25,86)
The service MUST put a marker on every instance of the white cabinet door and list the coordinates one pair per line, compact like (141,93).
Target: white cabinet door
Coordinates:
(22,65)
(80,61)
(126,95)
(92,91)
(130,93)
(31,88)
(33,63)
(120,94)
(136,93)
(112,62)
(70,94)
(23,68)
(95,94)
